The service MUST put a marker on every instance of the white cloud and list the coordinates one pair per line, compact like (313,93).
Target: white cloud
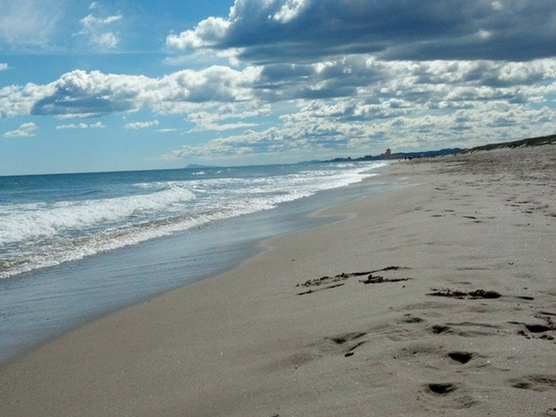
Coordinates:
(206,126)
(94,28)
(330,77)
(441,83)
(92,22)
(352,104)
(290,10)
(283,31)
(417,86)
(497,5)
(209,32)
(95,93)
(107,40)
(19,100)
(141,125)
(229,117)
(97,125)
(3,66)
(25,130)
(306,133)
(29,23)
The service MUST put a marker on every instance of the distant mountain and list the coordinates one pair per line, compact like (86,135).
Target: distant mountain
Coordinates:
(313,161)
(197,166)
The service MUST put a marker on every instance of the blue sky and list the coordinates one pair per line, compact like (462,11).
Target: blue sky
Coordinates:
(124,85)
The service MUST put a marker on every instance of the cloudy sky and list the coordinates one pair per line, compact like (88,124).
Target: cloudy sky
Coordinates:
(137,84)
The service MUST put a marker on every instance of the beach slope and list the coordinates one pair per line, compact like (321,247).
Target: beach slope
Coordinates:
(438,298)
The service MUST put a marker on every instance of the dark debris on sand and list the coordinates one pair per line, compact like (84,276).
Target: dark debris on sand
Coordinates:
(473,295)
(338,280)
(344,276)
(379,280)
(539,331)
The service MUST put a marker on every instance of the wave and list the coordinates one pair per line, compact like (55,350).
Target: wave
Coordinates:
(38,235)
(40,220)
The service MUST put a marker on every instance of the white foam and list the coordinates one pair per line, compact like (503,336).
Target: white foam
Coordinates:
(41,220)
(46,235)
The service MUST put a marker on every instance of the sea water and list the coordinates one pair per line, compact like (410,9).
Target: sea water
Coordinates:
(49,219)
(75,246)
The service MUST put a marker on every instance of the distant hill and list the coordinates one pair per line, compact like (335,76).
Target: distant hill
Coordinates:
(400,155)
(523,143)
(425,154)
(538,141)
(197,166)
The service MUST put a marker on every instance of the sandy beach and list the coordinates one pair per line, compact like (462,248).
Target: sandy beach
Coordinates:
(438,298)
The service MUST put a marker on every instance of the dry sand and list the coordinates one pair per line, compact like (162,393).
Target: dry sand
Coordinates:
(274,338)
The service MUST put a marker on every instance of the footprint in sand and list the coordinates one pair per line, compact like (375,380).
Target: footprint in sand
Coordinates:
(461,357)
(409,319)
(467,329)
(342,344)
(545,331)
(441,389)
(535,382)
(551,412)
(440,329)
(445,395)
(432,356)
(349,342)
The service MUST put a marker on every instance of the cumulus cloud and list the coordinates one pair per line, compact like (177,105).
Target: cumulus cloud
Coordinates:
(246,143)
(91,94)
(371,71)
(307,133)
(97,125)
(222,98)
(141,125)
(322,77)
(19,100)
(309,30)
(351,104)
(229,116)
(208,33)
(25,130)
(365,76)
(358,104)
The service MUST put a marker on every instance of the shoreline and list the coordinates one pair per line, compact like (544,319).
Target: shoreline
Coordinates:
(274,337)
(43,304)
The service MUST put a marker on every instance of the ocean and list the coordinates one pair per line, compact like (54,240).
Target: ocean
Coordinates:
(76,246)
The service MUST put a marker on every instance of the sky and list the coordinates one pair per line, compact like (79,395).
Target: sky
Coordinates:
(135,84)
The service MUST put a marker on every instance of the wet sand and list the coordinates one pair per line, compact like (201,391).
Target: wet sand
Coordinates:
(435,299)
